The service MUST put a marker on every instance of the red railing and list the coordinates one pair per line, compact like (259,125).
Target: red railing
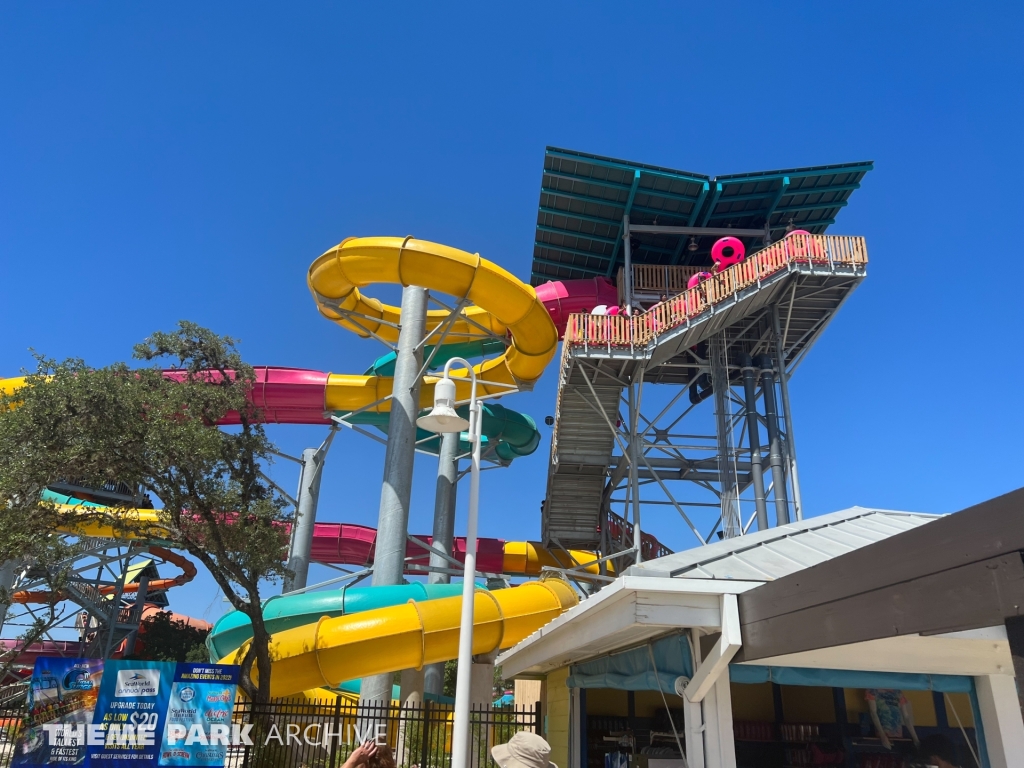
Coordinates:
(620,330)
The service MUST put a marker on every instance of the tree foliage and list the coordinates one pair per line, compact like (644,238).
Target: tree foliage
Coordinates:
(154,431)
(164,638)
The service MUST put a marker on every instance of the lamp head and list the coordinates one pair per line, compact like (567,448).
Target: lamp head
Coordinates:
(443,417)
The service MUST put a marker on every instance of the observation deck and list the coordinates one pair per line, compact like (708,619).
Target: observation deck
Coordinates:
(737,336)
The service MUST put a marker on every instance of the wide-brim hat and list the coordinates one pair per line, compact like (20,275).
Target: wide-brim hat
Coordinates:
(523,750)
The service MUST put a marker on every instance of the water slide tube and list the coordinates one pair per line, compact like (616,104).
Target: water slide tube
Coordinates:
(567,297)
(283,613)
(72,648)
(407,636)
(501,303)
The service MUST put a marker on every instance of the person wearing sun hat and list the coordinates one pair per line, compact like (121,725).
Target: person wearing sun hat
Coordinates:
(524,750)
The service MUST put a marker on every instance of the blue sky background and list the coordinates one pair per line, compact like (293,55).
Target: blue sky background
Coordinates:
(161,162)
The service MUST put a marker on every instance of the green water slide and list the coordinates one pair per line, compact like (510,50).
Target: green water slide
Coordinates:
(506,433)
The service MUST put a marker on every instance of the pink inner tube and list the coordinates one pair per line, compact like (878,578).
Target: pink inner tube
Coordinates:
(719,256)
(802,246)
(697,279)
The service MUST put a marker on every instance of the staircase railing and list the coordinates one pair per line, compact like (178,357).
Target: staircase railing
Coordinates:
(815,251)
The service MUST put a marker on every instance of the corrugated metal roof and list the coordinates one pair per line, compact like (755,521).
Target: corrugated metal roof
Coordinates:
(778,552)
(583,198)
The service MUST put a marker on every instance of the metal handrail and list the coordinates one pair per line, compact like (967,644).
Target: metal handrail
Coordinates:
(816,251)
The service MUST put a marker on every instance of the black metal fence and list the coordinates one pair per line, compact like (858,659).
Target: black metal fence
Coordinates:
(322,734)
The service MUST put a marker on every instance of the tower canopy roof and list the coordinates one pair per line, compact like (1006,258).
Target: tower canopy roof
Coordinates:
(583,198)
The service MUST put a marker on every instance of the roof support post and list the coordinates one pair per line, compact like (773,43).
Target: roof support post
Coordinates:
(1000,719)
(625,216)
(707,674)
(693,713)
(780,354)
(628,269)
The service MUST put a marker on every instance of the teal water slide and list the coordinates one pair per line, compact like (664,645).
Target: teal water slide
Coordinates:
(508,434)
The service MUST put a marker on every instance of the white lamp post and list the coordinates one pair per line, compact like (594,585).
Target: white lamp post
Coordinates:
(443,418)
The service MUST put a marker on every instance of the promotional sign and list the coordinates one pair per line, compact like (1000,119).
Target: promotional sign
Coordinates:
(61,699)
(199,715)
(91,713)
(131,709)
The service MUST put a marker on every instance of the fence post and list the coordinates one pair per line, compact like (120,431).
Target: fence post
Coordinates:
(336,741)
(425,746)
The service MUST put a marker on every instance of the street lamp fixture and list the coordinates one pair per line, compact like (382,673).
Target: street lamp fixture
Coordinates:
(443,418)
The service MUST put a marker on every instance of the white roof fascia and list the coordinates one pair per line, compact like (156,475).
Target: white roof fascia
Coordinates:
(973,653)
(628,611)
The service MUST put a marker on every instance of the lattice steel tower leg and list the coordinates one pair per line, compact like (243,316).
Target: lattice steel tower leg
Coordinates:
(731,525)
(396,493)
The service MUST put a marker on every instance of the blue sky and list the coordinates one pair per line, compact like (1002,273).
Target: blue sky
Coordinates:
(160,162)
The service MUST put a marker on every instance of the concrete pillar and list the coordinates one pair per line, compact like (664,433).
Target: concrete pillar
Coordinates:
(1000,719)
(443,535)
(305,519)
(396,493)
(412,702)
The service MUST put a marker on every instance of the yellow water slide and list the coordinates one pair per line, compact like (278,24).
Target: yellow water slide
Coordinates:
(407,636)
(498,303)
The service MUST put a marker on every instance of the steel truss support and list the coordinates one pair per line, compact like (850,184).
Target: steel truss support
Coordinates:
(691,455)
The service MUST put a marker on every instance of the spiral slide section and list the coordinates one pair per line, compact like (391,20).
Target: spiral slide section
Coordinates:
(283,613)
(407,636)
(350,544)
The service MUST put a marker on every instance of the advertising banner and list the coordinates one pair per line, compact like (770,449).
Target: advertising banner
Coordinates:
(199,715)
(92,713)
(131,710)
(61,700)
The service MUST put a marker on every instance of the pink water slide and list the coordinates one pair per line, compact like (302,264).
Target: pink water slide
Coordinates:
(297,395)
(350,544)
(567,297)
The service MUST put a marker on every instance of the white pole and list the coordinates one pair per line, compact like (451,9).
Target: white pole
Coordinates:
(463,691)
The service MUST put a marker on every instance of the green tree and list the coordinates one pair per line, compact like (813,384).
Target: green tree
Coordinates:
(145,429)
(164,638)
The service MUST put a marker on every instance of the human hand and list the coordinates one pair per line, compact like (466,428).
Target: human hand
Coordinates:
(361,754)
(885,742)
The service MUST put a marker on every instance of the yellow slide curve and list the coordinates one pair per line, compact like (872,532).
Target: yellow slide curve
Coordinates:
(407,636)
(501,304)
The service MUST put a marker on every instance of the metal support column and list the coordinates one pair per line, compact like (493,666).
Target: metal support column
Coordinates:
(634,460)
(628,268)
(8,572)
(305,517)
(798,504)
(771,415)
(731,525)
(137,611)
(754,439)
(443,536)
(396,493)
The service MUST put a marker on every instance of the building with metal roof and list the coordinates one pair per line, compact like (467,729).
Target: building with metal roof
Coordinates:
(584,197)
